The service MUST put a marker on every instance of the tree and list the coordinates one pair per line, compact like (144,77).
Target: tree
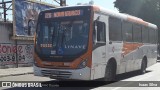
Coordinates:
(148,10)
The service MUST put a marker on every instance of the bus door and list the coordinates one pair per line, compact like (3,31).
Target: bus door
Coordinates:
(99,46)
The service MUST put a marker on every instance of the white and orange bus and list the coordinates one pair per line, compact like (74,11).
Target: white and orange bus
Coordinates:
(90,42)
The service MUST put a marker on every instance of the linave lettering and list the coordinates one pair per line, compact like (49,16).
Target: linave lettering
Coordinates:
(75,46)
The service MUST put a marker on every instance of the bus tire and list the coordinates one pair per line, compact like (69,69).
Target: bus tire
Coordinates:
(110,72)
(143,67)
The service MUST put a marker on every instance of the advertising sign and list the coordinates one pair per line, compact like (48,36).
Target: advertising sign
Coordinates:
(22,52)
(25,16)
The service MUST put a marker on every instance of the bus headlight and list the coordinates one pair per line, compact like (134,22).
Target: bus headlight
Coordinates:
(83,64)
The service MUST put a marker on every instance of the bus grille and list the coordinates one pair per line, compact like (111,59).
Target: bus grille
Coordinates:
(56,74)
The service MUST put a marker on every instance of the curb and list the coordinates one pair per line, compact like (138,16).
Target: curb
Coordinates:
(15,74)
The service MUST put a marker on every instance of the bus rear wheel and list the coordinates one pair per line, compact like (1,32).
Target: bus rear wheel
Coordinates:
(143,67)
(110,72)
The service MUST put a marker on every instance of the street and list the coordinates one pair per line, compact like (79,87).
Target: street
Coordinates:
(152,75)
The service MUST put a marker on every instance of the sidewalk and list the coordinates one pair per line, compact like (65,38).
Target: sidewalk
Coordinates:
(16,71)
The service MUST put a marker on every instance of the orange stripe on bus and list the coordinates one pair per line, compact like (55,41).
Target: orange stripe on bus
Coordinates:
(129,47)
(72,65)
(76,62)
(38,60)
(137,21)
(96,8)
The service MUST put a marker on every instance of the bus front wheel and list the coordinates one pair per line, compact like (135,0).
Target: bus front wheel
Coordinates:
(110,72)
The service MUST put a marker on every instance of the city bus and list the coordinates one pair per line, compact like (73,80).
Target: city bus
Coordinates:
(90,42)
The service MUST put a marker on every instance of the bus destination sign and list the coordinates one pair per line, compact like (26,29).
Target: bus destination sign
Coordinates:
(64,14)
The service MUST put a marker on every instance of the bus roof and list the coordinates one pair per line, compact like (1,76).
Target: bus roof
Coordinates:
(123,16)
(108,12)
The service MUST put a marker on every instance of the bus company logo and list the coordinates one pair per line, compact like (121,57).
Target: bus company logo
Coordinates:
(6,84)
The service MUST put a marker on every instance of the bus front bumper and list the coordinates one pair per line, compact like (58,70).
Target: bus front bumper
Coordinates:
(76,74)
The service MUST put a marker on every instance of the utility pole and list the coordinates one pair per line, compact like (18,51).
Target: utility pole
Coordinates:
(62,2)
(5,9)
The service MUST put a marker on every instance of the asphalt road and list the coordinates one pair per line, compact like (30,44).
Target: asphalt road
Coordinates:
(129,81)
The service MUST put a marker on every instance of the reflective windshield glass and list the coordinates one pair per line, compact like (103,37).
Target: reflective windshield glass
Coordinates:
(63,38)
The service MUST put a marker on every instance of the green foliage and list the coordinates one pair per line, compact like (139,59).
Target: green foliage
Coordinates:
(148,10)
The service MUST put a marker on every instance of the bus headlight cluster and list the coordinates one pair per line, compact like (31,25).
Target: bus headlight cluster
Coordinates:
(83,64)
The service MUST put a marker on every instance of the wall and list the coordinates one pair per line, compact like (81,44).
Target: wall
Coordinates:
(14,53)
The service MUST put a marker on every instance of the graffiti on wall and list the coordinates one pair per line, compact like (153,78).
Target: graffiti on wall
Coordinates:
(10,54)
(26,15)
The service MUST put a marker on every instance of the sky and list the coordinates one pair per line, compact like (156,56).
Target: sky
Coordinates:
(103,3)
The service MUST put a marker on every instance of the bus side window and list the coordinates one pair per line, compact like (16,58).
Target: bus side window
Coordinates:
(115,29)
(145,34)
(127,31)
(101,31)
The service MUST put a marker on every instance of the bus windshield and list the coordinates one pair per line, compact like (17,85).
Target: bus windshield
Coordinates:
(63,37)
